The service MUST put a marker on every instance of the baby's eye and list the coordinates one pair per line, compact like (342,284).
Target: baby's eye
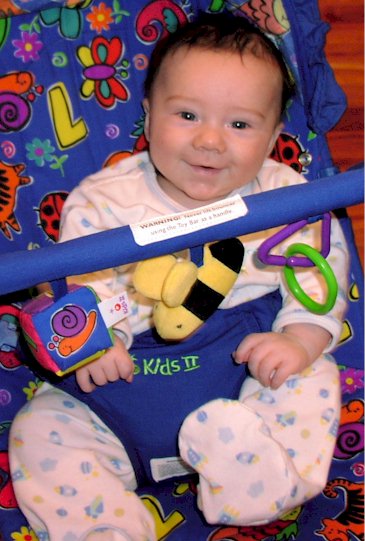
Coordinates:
(239,125)
(187,116)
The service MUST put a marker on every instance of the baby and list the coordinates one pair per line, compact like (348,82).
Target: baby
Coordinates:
(261,442)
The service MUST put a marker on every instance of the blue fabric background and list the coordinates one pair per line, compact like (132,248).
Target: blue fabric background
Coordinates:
(70,93)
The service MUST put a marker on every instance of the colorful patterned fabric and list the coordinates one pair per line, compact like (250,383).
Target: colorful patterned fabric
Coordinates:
(71,76)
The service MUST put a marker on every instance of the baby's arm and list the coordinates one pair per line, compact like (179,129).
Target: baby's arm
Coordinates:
(113,365)
(272,357)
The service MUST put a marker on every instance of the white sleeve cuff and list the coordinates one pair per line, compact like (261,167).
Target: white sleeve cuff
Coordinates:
(330,324)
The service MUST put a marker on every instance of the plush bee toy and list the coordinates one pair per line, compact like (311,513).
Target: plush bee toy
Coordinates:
(187,295)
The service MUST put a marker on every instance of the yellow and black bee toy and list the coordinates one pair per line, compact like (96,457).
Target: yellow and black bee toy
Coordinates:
(187,295)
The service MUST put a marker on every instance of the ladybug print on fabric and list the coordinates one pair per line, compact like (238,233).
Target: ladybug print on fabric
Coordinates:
(50,212)
(7,496)
(288,150)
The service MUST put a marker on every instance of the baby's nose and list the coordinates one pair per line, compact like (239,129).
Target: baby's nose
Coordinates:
(209,138)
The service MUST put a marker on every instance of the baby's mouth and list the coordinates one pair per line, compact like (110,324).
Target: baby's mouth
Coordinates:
(206,169)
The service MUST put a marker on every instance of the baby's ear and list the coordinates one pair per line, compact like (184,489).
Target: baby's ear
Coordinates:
(277,131)
(146,108)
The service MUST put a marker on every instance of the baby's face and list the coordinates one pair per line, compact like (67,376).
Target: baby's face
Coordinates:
(212,119)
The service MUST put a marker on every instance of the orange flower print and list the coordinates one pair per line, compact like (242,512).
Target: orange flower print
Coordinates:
(100,17)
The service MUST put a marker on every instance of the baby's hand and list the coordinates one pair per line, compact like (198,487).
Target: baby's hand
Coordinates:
(272,357)
(113,365)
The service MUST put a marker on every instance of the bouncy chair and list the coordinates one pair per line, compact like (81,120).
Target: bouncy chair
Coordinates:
(70,103)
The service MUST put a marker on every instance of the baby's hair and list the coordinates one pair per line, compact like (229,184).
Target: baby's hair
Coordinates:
(223,32)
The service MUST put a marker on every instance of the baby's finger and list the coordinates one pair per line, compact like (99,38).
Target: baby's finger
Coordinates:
(267,370)
(111,371)
(126,369)
(84,380)
(279,376)
(245,348)
(98,376)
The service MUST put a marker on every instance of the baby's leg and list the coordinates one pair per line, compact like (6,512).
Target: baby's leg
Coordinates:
(71,474)
(268,452)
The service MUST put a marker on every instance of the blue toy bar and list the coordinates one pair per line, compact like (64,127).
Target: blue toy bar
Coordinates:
(22,269)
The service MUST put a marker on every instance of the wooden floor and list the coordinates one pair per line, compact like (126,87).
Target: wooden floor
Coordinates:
(345,53)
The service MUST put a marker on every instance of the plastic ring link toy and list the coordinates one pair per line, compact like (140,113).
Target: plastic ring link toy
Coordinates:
(320,262)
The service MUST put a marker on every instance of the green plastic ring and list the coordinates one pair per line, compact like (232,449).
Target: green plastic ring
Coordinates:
(330,279)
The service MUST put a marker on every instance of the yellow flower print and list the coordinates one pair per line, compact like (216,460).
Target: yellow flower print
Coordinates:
(25,534)
(33,386)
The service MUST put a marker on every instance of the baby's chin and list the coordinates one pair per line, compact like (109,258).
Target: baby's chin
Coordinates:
(199,194)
